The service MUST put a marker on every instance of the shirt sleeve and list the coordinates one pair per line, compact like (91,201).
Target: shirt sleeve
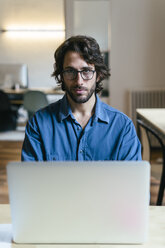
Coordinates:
(130,148)
(32,148)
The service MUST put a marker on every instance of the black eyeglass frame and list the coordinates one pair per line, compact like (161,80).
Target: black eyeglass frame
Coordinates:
(74,71)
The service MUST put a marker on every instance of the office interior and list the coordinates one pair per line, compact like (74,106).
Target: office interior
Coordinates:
(131,35)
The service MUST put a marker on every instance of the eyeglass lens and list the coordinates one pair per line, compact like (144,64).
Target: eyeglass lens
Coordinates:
(72,74)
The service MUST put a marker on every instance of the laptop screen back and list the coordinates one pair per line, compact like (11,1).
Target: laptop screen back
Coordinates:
(79,202)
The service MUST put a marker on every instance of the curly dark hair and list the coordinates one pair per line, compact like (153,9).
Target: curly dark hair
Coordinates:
(89,49)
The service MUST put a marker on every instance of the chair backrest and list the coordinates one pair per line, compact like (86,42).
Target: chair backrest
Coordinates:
(12,74)
(34,100)
(145,130)
(8,116)
(144,138)
(4,101)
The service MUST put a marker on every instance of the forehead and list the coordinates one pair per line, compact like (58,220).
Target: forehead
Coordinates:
(75,60)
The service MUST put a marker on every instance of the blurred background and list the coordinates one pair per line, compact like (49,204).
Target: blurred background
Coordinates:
(131,35)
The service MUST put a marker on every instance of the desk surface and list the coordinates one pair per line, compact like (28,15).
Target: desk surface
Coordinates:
(156,232)
(15,135)
(155,117)
(16,95)
(45,90)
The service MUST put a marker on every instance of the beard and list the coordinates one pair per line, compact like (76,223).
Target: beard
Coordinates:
(80,98)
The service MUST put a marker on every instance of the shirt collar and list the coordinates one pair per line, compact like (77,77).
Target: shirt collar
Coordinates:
(65,109)
(100,113)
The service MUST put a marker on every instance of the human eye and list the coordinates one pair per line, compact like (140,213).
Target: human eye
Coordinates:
(87,70)
(69,73)
(87,73)
(70,70)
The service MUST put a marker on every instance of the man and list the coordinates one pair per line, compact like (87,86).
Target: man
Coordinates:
(80,126)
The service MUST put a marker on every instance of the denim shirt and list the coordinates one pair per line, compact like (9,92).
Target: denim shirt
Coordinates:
(54,134)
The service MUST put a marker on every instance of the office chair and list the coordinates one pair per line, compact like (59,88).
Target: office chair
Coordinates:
(8,115)
(143,132)
(34,100)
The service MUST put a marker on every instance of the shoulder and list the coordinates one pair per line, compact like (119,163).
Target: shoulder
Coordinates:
(45,115)
(51,109)
(113,114)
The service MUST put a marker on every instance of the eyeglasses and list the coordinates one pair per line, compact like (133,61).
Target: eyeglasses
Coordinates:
(71,74)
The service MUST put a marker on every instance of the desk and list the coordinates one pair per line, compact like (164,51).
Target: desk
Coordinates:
(47,91)
(155,117)
(156,232)
(16,95)
(15,135)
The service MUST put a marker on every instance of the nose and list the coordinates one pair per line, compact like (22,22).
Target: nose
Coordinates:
(79,79)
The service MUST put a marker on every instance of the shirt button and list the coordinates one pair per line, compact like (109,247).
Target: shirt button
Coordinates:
(81,151)
(78,128)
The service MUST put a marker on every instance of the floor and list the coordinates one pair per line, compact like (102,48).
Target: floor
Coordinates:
(11,151)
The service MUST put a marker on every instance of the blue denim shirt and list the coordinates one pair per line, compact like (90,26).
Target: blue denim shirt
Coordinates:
(54,134)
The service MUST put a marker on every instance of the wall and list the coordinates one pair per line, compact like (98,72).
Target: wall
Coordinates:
(36,49)
(137,44)
(97,26)
(91,18)
(137,48)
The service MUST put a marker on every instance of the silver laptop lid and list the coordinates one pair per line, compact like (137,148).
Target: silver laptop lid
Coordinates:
(79,202)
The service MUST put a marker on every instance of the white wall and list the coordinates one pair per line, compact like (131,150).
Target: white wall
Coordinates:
(96,24)
(37,53)
(137,48)
(34,49)
(91,18)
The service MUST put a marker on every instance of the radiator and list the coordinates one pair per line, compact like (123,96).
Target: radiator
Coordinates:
(154,98)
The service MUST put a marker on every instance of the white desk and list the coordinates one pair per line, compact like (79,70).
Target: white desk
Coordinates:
(155,117)
(156,232)
(15,135)
(16,96)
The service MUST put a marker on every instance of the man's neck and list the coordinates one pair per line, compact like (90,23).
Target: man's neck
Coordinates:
(83,111)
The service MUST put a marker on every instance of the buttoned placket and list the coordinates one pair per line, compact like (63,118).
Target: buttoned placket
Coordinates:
(81,147)
(81,139)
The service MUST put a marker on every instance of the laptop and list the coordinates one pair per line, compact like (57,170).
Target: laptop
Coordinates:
(72,202)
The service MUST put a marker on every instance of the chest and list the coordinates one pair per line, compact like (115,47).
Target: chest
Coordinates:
(69,141)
